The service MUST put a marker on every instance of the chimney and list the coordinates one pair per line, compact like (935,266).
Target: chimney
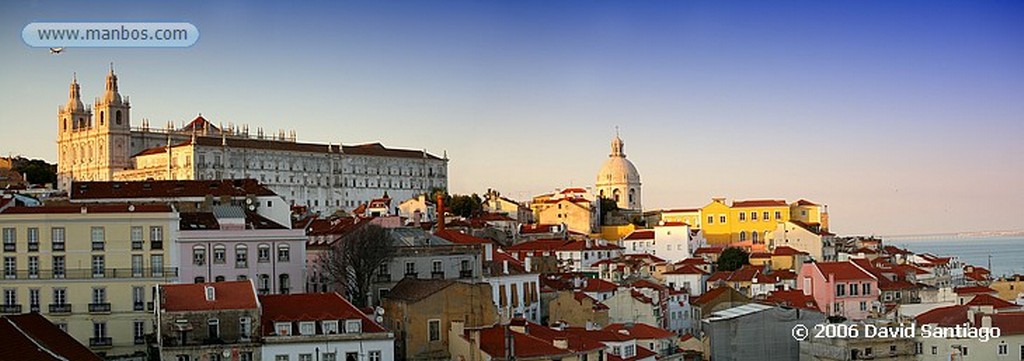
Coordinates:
(527,264)
(440,212)
(504,266)
(986,321)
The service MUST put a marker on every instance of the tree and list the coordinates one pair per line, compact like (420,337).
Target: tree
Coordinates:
(732,259)
(36,171)
(608,205)
(465,206)
(354,261)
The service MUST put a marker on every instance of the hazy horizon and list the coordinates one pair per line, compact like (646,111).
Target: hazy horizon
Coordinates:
(903,118)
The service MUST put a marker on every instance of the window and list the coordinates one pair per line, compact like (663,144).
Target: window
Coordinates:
(964,351)
(283,253)
(743,235)
(437,266)
(351,356)
(98,238)
(283,283)
(183,358)
(778,215)
(307,328)
(330,356)
(281,358)
(33,239)
(10,297)
(918,348)
(99,295)
(241,256)
(283,328)
(136,265)
(866,289)
(711,219)
(60,296)
(410,269)
(305,357)
(10,267)
(935,350)
(329,327)
(515,295)
(753,216)
(33,299)
(199,255)
(502,298)
(139,330)
(263,253)
(219,254)
(156,237)
(721,218)
(33,266)
(213,329)
(353,326)
(9,240)
(57,238)
(868,351)
(375,355)
(99,329)
(434,330)
(264,284)
(244,327)
(863,305)
(743,216)
(98,266)
(138,298)
(136,234)
(156,264)
(840,290)
(853,289)
(1002,349)
(892,348)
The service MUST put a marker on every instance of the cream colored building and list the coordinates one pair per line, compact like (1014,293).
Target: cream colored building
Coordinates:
(90,269)
(100,143)
(619,180)
(817,242)
(577,208)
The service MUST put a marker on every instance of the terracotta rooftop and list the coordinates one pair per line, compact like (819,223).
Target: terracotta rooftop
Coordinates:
(792,298)
(843,271)
(314,307)
(81,191)
(984,299)
(967,290)
(598,285)
(414,290)
(640,330)
(368,149)
(640,234)
(759,203)
(786,251)
(686,269)
(461,238)
(92,208)
(231,295)
(32,337)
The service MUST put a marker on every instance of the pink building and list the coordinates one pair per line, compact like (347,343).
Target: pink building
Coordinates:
(231,244)
(840,288)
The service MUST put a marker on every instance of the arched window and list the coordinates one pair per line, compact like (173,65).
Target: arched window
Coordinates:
(283,284)
(241,256)
(615,194)
(632,192)
(101,117)
(199,255)
(200,279)
(65,124)
(117,117)
(264,284)
(263,253)
(219,253)
(283,254)
(219,279)
(743,236)
(753,236)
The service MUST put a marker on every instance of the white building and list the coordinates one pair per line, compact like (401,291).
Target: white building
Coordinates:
(619,180)
(325,327)
(671,241)
(100,143)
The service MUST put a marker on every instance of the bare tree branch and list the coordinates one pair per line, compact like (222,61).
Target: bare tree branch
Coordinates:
(355,260)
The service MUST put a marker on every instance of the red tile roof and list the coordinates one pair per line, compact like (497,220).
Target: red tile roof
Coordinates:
(598,285)
(460,238)
(792,298)
(786,251)
(539,228)
(92,208)
(573,190)
(973,289)
(985,299)
(686,269)
(639,234)
(368,149)
(843,271)
(231,295)
(493,340)
(710,295)
(944,316)
(168,189)
(759,203)
(804,202)
(314,307)
(680,210)
(580,296)
(1009,323)
(32,337)
(640,330)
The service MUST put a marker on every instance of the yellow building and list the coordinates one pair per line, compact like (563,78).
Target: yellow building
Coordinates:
(751,223)
(689,216)
(575,207)
(91,270)
(1010,288)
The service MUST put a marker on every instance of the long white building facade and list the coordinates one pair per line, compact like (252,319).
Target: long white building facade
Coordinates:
(99,143)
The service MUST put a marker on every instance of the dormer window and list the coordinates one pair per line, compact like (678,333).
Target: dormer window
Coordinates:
(329,327)
(353,326)
(307,328)
(211,293)
(283,328)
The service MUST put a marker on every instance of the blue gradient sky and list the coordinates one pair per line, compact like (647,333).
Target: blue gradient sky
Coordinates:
(903,117)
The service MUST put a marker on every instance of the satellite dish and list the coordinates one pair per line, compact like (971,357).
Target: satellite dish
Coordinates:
(248,201)
(252,207)
(379,311)
(380,319)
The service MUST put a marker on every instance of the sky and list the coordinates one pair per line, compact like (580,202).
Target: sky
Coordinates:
(904,117)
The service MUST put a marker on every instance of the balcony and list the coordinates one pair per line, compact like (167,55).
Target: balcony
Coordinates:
(58,246)
(9,247)
(87,273)
(136,245)
(138,306)
(466,273)
(33,246)
(100,342)
(412,274)
(149,306)
(97,246)
(437,275)
(60,308)
(10,308)
(156,245)
(140,340)
(33,308)
(383,277)
(99,307)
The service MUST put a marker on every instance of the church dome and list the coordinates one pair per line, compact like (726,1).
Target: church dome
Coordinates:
(617,170)
(619,180)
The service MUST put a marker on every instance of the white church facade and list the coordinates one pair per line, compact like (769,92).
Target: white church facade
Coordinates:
(619,180)
(99,143)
